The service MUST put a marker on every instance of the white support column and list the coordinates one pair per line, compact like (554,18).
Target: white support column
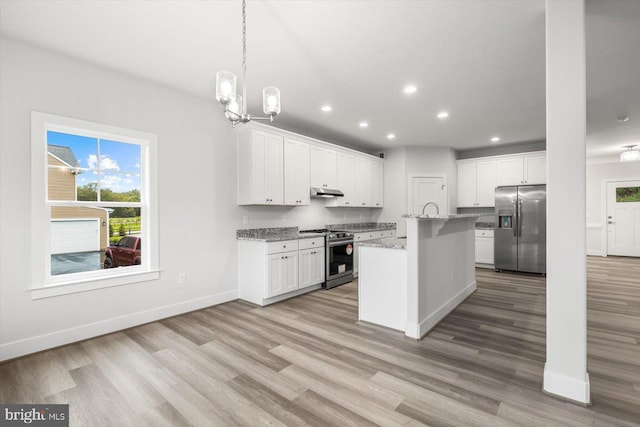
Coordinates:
(565,372)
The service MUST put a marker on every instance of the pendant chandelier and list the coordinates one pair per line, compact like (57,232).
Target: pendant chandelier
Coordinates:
(235,106)
(630,155)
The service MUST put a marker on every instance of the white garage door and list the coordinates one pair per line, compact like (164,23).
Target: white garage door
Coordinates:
(71,235)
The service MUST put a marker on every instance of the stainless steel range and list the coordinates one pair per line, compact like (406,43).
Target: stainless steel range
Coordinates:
(339,257)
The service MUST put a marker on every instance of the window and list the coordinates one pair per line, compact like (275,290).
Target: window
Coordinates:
(93,201)
(627,194)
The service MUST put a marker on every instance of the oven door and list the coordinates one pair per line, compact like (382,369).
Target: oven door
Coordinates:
(339,258)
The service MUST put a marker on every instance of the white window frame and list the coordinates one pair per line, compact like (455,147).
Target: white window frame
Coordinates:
(43,285)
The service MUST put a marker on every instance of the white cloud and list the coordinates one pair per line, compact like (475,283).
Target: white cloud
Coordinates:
(106,163)
(117,183)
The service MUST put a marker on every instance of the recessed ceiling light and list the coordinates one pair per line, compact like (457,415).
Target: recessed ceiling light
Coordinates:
(326,108)
(363,124)
(391,136)
(443,115)
(410,89)
(623,119)
(495,139)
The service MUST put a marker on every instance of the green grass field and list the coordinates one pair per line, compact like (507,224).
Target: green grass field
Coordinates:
(131,225)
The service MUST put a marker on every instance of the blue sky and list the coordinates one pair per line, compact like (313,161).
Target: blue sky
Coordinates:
(119,161)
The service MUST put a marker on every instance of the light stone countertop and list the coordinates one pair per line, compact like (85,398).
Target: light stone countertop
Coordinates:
(389,243)
(362,227)
(276,234)
(441,217)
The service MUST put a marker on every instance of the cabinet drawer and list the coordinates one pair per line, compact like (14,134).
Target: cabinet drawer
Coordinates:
(484,233)
(311,243)
(358,237)
(282,246)
(386,234)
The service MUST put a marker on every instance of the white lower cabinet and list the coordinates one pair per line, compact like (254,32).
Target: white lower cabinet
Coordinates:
(311,270)
(272,271)
(282,270)
(484,248)
(364,236)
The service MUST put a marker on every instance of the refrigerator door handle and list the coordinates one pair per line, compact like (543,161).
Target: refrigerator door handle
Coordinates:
(520,218)
(517,220)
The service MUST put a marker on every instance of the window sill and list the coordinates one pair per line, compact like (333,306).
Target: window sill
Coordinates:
(85,285)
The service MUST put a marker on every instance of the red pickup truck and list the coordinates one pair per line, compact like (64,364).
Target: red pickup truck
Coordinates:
(125,252)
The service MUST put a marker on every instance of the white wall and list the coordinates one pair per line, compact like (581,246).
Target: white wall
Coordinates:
(197,198)
(402,161)
(596,174)
(435,160)
(395,190)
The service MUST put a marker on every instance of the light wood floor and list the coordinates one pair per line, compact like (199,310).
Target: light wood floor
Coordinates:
(307,362)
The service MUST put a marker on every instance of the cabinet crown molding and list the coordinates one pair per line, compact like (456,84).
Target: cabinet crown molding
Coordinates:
(503,156)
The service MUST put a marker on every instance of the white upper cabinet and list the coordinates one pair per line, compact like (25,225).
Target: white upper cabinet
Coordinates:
(535,169)
(510,171)
(522,169)
(279,168)
(296,172)
(486,183)
(260,168)
(476,183)
(362,182)
(323,167)
(466,184)
(346,181)
(377,184)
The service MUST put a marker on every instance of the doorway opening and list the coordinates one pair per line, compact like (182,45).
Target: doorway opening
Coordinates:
(622,224)
(428,187)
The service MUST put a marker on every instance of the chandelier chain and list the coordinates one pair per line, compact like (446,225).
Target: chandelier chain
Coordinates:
(244,56)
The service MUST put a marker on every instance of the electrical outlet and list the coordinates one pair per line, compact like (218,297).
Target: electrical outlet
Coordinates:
(245,219)
(182,278)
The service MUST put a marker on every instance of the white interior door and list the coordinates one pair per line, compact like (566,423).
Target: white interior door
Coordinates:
(428,189)
(623,218)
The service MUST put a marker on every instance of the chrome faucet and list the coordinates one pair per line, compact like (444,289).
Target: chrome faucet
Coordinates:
(431,203)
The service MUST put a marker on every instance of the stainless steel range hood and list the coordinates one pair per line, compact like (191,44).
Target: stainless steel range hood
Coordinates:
(325,192)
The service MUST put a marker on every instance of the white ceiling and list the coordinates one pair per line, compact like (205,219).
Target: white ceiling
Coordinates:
(483,61)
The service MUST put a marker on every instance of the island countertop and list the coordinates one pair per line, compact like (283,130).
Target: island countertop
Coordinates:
(390,243)
(441,217)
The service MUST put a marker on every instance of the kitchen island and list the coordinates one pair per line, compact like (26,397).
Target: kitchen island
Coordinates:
(410,285)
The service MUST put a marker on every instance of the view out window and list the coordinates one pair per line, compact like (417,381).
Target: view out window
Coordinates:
(627,194)
(98,200)
(84,169)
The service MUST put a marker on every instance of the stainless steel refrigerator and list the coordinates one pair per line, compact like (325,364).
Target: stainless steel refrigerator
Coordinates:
(520,237)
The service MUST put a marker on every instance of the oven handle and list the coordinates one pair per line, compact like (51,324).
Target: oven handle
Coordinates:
(339,243)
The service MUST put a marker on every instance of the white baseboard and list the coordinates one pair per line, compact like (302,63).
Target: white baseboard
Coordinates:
(267,301)
(593,252)
(566,387)
(417,331)
(26,346)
